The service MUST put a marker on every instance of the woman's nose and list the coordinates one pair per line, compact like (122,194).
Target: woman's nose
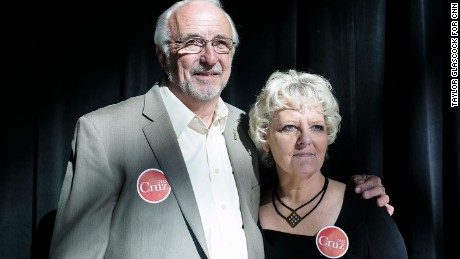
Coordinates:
(304,138)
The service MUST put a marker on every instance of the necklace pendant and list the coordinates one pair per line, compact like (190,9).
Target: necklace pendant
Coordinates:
(293,219)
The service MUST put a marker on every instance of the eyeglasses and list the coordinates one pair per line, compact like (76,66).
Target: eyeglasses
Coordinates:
(195,45)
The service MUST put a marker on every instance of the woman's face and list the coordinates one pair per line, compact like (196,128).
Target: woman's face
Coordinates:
(298,141)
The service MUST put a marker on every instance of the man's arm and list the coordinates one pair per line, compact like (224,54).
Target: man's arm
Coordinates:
(87,199)
(371,186)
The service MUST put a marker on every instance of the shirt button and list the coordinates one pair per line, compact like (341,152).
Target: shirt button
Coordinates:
(223,206)
(216,171)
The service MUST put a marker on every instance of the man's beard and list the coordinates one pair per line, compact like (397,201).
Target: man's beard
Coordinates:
(189,88)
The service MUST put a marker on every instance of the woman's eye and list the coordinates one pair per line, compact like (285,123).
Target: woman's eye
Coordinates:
(289,128)
(317,128)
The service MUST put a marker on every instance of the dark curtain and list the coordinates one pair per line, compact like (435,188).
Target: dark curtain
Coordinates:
(388,62)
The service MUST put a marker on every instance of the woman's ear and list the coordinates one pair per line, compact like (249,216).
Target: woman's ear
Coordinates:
(266,147)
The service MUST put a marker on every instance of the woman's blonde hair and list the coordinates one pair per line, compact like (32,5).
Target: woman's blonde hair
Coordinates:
(289,90)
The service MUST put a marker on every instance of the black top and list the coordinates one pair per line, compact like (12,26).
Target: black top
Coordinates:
(371,231)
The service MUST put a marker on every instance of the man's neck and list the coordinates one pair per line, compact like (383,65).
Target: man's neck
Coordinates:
(203,109)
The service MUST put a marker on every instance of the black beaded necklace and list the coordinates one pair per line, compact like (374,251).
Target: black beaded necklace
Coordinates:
(293,219)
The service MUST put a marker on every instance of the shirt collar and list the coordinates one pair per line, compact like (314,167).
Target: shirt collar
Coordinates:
(181,116)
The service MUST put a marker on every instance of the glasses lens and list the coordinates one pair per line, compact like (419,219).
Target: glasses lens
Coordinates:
(196,45)
(222,45)
(193,45)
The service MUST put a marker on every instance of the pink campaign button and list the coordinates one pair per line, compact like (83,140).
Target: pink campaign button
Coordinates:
(332,242)
(152,186)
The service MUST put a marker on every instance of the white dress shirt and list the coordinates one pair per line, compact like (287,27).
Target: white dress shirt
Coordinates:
(206,157)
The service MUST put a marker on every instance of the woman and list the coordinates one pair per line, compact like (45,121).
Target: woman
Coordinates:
(303,214)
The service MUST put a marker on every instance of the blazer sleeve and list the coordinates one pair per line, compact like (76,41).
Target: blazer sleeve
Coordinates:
(88,196)
(384,237)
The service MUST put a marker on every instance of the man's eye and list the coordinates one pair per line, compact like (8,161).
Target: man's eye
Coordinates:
(193,42)
(317,128)
(218,42)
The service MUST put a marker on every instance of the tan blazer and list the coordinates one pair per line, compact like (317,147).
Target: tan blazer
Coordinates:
(100,212)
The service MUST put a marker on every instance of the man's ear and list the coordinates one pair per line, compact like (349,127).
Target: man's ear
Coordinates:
(161,58)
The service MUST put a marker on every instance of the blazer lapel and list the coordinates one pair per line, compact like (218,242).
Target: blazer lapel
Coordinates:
(241,157)
(244,159)
(162,139)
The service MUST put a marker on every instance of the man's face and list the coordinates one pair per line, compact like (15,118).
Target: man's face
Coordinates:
(201,75)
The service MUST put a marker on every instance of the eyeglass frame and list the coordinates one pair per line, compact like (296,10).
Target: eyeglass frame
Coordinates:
(182,44)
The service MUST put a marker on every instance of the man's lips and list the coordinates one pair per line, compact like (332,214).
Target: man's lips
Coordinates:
(206,74)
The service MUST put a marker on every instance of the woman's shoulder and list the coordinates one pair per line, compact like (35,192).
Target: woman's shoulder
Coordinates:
(336,186)
(358,210)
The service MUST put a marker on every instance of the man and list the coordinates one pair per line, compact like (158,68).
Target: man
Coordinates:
(172,173)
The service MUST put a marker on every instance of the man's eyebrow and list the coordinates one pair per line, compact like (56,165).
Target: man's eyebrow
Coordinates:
(196,35)
(189,35)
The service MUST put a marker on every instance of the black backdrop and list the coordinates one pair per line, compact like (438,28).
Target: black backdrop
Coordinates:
(387,61)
